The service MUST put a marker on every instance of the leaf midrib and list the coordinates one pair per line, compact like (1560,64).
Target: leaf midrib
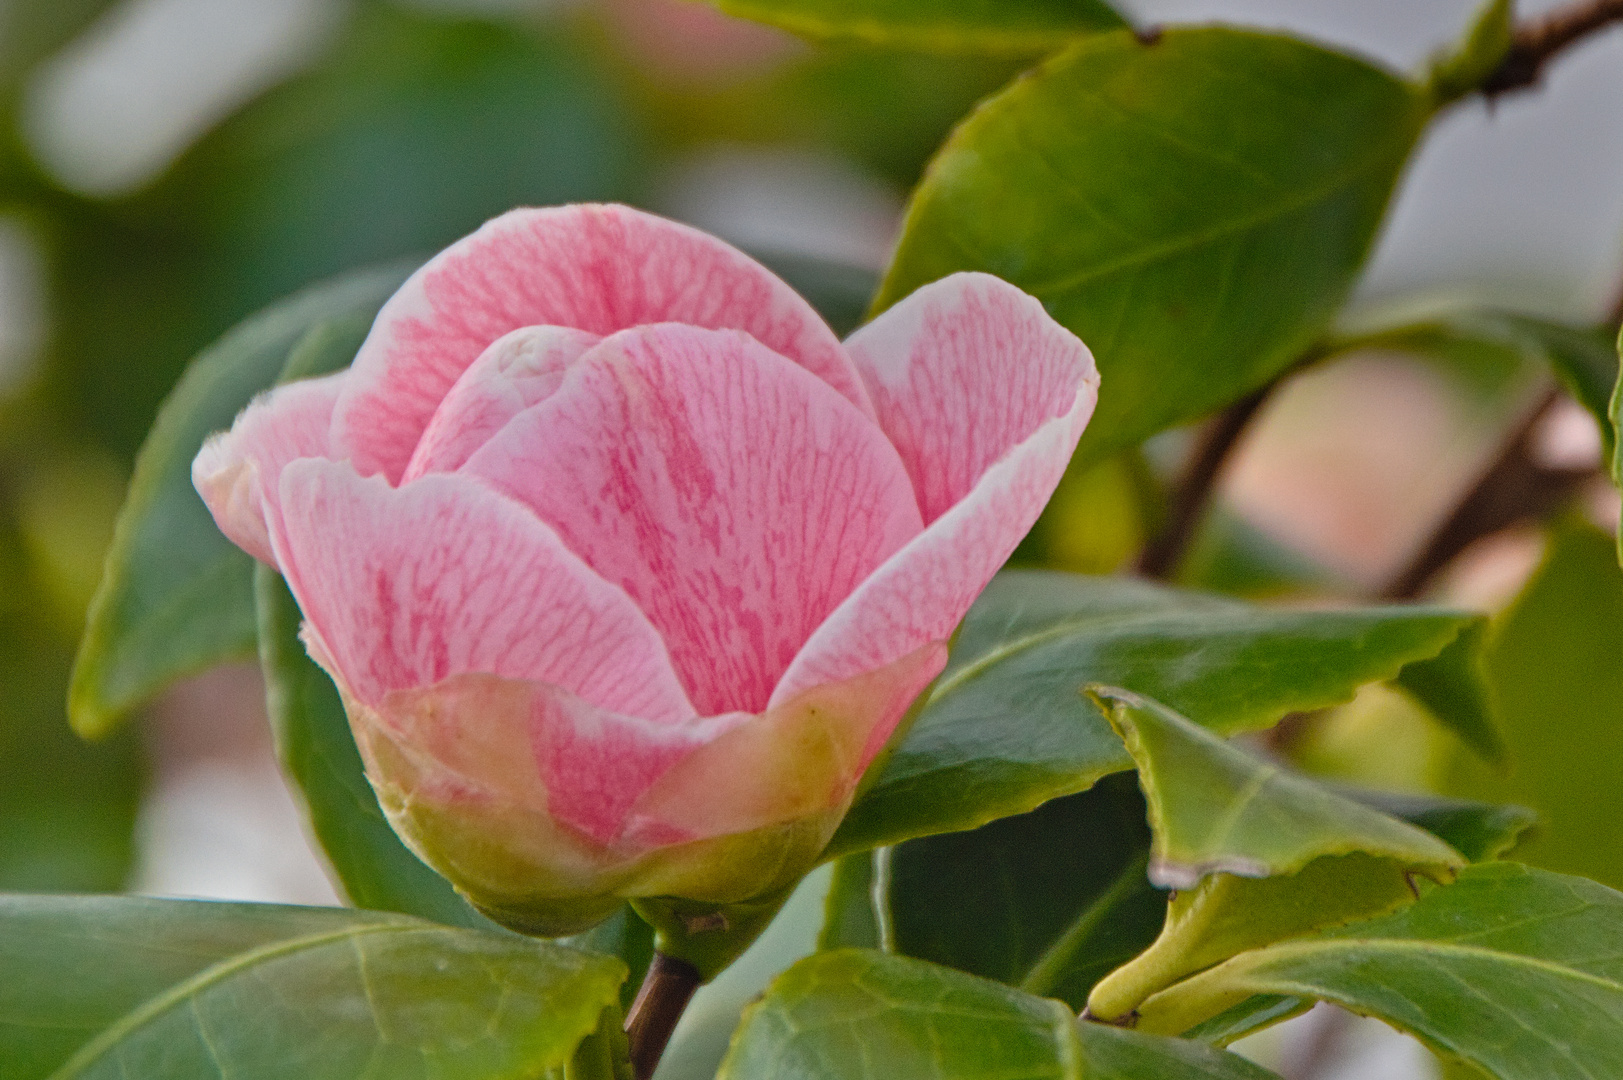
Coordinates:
(189,988)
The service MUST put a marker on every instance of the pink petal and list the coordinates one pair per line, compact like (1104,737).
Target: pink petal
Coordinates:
(596,268)
(518,370)
(406,587)
(801,758)
(921,593)
(959,373)
(236,471)
(736,497)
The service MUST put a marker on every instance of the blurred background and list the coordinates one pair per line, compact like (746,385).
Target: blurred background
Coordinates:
(169,166)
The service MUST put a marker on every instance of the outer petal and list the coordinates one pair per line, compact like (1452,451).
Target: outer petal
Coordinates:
(517,371)
(594,267)
(960,372)
(405,587)
(921,593)
(236,471)
(736,497)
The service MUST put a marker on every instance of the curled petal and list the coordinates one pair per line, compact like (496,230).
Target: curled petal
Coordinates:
(962,371)
(733,495)
(236,471)
(407,586)
(922,592)
(593,267)
(517,371)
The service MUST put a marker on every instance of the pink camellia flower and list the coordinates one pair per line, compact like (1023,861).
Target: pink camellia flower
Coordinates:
(625,566)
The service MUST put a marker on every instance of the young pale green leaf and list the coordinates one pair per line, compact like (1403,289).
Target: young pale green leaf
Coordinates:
(318,754)
(176,596)
(1257,854)
(1517,971)
(1006,727)
(75,964)
(1213,808)
(1463,69)
(1557,673)
(1006,26)
(371,994)
(1193,204)
(862,1015)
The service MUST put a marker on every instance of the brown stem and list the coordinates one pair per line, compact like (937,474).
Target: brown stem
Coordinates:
(1193,493)
(665,993)
(1514,488)
(1537,41)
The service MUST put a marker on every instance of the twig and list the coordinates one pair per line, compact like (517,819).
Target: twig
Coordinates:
(1514,488)
(1537,41)
(664,995)
(1194,490)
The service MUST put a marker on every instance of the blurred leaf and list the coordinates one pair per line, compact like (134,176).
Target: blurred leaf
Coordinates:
(1096,520)
(1555,669)
(318,753)
(342,994)
(1512,969)
(1234,557)
(1256,854)
(1195,206)
(412,131)
(177,596)
(1048,901)
(1480,831)
(31,30)
(1464,68)
(1017,26)
(1453,686)
(840,293)
(863,1014)
(1006,727)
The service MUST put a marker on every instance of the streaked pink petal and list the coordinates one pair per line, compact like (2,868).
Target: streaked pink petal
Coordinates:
(801,758)
(236,470)
(921,593)
(517,371)
(593,267)
(736,497)
(408,586)
(959,373)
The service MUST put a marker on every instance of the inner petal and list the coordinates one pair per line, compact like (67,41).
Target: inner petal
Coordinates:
(734,495)
(518,370)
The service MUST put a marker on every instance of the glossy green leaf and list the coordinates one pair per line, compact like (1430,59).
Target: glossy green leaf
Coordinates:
(1006,727)
(866,1015)
(1557,671)
(1517,971)
(318,754)
(75,964)
(1017,26)
(177,596)
(1256,854)
(372,995)
(1194,205)
(1049,901)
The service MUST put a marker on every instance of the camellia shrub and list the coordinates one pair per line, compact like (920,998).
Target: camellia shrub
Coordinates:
(602,593)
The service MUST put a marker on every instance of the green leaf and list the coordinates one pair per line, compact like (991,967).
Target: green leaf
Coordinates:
(862,1014)
(1517,971)
(1012,26)
(1221,819)
(623,935)
(1453,686)
(1006,727)
(1194,206)
(318,754)
(1463,69)
(177,596)
(851,911)
(1480,831)
(1049,901)
(1555,669)
(75,964)
(383,996)
(31,30)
